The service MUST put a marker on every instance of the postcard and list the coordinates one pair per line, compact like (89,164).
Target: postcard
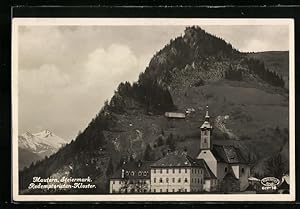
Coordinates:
(153,109)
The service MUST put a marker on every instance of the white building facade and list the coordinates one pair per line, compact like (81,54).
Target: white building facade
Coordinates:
(176,173)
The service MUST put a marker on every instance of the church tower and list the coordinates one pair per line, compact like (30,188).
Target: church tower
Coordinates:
(206,128)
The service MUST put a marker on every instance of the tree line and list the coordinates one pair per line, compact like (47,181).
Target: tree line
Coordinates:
(258,67)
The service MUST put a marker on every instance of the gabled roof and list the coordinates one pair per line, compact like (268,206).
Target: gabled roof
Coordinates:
(208,174)
(175,159)
(228,154)
(134,170)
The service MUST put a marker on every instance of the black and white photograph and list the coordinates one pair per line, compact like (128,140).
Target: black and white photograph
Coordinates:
(153,109)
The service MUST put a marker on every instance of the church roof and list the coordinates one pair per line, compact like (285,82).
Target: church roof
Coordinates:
(208,174)
(134,170)
(175,159)
(228,154)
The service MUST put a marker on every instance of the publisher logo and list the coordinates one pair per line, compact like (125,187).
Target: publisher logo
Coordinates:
(270,183)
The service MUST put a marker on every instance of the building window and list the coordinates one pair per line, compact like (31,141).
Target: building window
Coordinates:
(154,180)
(167,170)
(201,171)
(154,190)
(198,181)
(192,180)
(154,170)
(160,170)
(225,169)
(113,191)
(185,170)
(179,180)
(173,170)
(173,190)
(192,170)
(167,180)
(167,190)
(113,182)
(160,180)
(185,180)
(185,190)
(160,190)
(243,170)
(179,171)
(173,180)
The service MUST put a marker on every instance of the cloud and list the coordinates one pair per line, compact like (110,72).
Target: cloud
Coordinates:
(112,65)
(66,103)
(46,79)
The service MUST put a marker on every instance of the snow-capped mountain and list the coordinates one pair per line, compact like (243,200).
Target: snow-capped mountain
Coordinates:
(44,143)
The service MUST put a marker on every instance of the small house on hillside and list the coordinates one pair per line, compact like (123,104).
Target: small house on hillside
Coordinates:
(175,115)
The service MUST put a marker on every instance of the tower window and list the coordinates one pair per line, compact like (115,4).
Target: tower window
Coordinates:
(243,170)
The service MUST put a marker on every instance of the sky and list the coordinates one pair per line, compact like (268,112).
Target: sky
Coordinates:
(67,72)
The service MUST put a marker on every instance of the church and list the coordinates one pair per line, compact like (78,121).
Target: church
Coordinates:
(216,168)
(225,161)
